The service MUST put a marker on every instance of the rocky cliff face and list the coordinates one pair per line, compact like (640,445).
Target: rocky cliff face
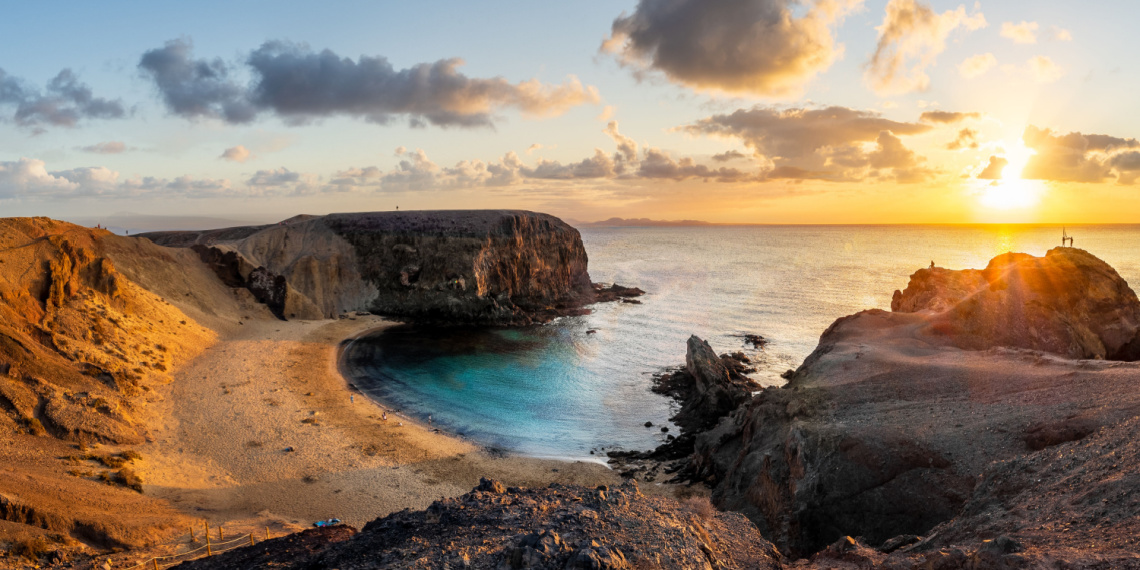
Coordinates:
(490,267)
(892,427)
(1067,302)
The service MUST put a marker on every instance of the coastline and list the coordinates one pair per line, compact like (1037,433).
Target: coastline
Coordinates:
(232,412)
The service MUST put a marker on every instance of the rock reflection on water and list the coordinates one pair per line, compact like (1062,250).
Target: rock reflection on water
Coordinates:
(535,390)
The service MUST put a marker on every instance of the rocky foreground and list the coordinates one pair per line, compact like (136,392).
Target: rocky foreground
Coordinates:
(966,415)
(496,527)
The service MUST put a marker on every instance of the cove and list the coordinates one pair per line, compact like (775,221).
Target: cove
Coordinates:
(544,391)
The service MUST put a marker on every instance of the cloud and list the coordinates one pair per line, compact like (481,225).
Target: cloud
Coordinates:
(65,102)
(1044,70)
(598,166)
(531,149)
(911,37)
(1078,157)
(109,147)
(299,85)
(757,47)
(1023,33)
(281,181)
(729,155)
(947,117)
(658,164)
(792,133)
(29,178)
(606,114)
(236,154)
(967,138)
(1057,34)
(626,147)
(977,65)
(993,169)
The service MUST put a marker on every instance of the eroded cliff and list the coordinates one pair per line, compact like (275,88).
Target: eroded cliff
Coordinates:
(487,267)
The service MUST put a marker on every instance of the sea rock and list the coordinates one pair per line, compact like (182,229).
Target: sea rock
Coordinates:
(716,386)
(1068,302)
(481,267)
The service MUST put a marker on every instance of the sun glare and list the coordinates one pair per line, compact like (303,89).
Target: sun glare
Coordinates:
(1011,192)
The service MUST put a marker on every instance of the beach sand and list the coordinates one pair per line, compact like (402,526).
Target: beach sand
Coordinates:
(260,431)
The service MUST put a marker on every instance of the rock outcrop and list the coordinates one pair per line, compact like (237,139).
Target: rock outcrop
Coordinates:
(558,527)
(484,267)
(1068,303)
(893,425)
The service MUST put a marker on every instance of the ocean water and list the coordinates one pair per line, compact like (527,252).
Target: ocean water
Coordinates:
(561,391)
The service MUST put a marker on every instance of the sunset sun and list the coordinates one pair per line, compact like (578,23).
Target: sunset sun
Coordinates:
(1010,191)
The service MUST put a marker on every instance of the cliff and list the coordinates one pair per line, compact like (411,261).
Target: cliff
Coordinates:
(485,267)
(950,422)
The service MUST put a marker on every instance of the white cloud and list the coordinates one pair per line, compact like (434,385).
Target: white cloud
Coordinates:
(1059,34)
(236,154)
(1044,69)
(1023,33)
(976,65)
(911,37)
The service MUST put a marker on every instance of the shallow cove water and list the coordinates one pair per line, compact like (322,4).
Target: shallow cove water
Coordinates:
(525,390)
(558,391)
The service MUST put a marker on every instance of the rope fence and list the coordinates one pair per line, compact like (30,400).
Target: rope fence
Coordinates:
(210,548)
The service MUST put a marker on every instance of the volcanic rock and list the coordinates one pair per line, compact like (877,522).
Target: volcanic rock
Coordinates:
(557,527)
(479,267)
(1068,302)
(925,422)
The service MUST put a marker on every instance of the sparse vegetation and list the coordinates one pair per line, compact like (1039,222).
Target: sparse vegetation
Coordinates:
(124,477)
(29,548)
(35,426)
(700,506)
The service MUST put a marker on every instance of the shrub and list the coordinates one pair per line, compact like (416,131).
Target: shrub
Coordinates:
(30,548)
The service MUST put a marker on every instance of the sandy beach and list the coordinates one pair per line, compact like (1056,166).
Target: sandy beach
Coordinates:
(262,430)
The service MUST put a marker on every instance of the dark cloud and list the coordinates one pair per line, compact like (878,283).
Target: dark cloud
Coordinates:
(793,133)
(299,85)
(762,47)
(967,138)
(947,117)
(63,103)
(994,169)
(729,155)
(196,88)
(658,164)
(109,147)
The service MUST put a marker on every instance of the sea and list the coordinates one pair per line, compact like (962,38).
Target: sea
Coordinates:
(580,386)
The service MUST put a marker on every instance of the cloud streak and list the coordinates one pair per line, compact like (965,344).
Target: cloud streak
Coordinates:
(299,85)
(759,47)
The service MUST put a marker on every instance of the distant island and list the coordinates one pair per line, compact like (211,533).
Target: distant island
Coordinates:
(640,223)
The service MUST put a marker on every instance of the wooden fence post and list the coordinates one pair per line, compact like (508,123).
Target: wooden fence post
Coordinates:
(155,560)
(266,533)
(209,551)
(221,537)
(251,539)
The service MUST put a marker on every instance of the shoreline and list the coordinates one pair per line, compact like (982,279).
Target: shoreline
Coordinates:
(257,434)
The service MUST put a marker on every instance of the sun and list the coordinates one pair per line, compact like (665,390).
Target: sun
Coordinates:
(1012,192)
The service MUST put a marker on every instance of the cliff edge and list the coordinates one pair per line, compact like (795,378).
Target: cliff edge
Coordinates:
(482,267)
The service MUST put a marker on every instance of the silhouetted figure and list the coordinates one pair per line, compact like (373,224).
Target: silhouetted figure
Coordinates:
(932,264)
(1066,238)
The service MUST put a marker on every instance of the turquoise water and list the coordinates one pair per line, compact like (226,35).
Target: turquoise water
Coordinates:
(557,390)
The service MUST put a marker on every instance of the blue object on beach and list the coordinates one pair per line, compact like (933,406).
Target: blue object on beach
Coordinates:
(330,522)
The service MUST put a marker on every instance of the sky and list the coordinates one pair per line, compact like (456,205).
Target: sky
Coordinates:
(729,111)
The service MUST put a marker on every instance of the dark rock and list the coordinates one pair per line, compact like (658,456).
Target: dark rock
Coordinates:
(648,424)
(490,486)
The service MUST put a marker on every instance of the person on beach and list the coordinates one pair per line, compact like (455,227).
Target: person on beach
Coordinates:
(384,416)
